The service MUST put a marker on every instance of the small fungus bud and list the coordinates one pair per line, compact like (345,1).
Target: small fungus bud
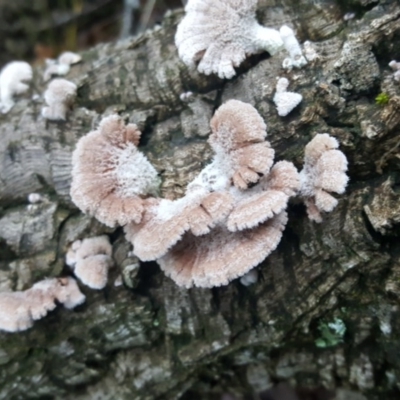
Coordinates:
(34,198)
(59,96)
(285,101)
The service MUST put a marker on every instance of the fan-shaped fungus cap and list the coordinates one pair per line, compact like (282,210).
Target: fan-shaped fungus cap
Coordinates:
(324,171)
(93,246)
(165,221)
(59,96)
(285,101)
(221,33)
(263,202)
(91,259)
(69,294)
(14,313)
(238,139)
(109,175)
(41,297)
(93,271)
(19,309)
(12,82)
(219,257)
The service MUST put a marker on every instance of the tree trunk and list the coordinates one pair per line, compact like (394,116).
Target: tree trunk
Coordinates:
(151,339)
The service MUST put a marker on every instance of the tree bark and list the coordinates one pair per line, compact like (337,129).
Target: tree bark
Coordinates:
(151,339)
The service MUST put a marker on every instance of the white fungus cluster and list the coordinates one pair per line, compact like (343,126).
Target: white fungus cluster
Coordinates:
(18,310)
(14,78)
(61,66)
(90,260)
(285,101)
(395,65)
(227,208)
(59,97)
(233,213)
(324,172)
(218,35)
(296,58)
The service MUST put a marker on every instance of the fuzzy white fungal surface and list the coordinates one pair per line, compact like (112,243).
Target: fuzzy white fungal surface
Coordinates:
(13,81)
(110,176)
(19,310)
(91,259)
(61,66)
(324,172)
(220,34)
(292,45)
(34,198)
(285,101)
(59,96)
(395,65)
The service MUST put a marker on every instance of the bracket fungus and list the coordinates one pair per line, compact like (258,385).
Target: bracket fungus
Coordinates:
(221,34)
(18,310)
(59,96)
(110,177)
(232,214)
(90,259)
(285,101)
(13,81)
(324,171)
(61,66)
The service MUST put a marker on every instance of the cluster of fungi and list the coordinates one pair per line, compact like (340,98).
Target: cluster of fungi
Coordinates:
(233,213)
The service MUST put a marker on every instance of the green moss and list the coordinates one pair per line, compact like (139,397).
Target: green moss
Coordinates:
(382,99)
(331,333)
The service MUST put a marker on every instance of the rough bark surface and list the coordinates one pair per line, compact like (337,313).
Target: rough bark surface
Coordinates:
(150,339)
